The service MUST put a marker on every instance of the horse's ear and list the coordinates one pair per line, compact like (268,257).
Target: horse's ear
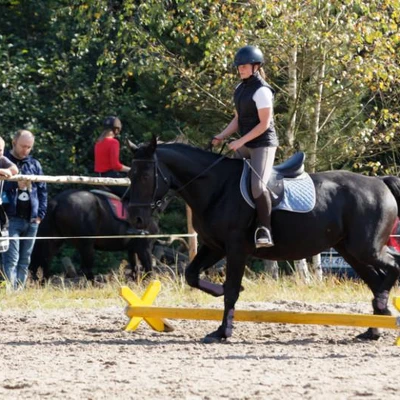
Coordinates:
(132,146)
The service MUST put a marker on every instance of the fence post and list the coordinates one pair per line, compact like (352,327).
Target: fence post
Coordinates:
(192,239)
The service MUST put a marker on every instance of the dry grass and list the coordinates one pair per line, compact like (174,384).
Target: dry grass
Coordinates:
(175,292)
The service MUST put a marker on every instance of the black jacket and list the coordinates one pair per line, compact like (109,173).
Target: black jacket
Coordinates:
(248,114)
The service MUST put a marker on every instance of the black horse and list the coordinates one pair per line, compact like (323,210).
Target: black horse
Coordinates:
(77,213)
(352,213)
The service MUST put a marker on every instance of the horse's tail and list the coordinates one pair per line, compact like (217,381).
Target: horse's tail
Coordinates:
(393,183)
(41,247)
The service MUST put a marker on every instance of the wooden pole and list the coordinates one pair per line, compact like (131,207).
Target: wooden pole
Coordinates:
(89,180)
(192,239)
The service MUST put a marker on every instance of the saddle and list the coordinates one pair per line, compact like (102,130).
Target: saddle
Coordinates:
(117,207)
(290,187)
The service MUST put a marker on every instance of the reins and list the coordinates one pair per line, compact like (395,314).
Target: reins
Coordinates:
(163,202)
(251,168)
(218,160)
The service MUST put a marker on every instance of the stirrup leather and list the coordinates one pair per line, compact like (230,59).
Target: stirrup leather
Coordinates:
(263,241)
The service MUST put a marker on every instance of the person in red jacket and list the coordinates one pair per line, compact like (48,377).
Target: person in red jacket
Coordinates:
(106,154)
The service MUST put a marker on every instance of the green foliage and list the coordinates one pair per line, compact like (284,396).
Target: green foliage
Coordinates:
(165,67)
(175,220)
(104,262)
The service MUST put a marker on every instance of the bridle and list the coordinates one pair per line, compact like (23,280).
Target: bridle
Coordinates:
(162,203)
(154,204)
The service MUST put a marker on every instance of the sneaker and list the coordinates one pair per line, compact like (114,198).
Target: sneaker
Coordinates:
(263,238)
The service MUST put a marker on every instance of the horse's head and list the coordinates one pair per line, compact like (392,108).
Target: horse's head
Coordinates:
(147,187)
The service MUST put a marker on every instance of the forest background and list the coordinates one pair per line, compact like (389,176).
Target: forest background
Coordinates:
(165,68)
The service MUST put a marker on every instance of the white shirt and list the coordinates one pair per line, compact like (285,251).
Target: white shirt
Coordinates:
(263,98)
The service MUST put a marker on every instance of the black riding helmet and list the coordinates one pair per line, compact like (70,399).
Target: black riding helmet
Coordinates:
(248,55)
(112,123)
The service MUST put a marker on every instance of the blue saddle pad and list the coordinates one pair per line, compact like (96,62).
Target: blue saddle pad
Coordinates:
(299,193)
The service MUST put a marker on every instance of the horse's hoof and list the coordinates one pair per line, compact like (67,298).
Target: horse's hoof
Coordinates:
(214,337)
(369,334)
(211,339)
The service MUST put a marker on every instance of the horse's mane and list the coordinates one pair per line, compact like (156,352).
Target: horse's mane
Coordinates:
(189,150)
(187,154)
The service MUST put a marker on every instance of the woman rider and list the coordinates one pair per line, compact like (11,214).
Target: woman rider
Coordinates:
(254,120)
(106,154)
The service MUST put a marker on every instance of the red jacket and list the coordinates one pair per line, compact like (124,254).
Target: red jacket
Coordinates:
(395,241)
(106,155)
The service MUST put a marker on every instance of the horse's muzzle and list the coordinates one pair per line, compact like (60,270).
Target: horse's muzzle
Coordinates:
(138,217)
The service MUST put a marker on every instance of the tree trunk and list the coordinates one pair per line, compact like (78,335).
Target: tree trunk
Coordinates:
(292,91)
(301,266)
(315,134)
(317,115)
(271,268)
(302,269)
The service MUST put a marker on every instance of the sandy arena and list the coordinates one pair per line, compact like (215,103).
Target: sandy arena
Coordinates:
(86,354)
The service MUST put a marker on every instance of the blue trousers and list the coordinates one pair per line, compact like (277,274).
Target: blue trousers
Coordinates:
(17,258)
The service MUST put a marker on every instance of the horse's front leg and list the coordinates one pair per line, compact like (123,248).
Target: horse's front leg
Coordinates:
(86,251)
(143,251)
(236,260)
(204,259)
(134,267)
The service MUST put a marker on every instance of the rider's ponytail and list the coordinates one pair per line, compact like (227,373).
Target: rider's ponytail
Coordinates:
(262,72)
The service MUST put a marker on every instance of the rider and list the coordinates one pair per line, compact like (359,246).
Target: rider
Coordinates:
(106,154)
(253,119)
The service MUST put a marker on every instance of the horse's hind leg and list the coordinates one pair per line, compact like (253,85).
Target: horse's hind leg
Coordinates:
(380,272)
(388,268)
(53,247)
(204,259)
(42,255)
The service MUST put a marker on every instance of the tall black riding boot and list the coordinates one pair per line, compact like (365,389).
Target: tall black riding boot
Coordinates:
(262,236)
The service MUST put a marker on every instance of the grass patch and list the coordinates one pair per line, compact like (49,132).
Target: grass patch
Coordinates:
(175,292)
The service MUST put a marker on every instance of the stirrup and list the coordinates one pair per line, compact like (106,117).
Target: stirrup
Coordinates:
(264,241)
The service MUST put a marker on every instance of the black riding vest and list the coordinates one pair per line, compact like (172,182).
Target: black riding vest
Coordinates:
(248,114)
